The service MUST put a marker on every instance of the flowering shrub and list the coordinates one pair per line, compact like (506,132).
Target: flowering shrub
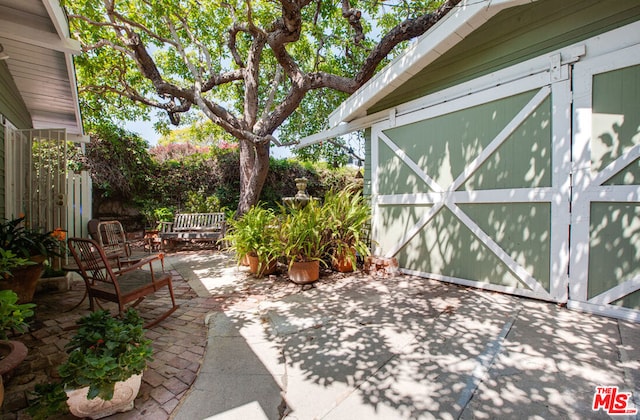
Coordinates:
(25,242)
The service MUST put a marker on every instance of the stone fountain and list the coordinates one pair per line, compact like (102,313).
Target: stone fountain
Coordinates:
(301,198)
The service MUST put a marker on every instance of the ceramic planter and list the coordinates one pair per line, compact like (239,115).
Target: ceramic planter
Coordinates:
(124,394)
(59,283)
(304,272)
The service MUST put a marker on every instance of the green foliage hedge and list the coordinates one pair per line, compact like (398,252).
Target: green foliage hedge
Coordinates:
(186,178)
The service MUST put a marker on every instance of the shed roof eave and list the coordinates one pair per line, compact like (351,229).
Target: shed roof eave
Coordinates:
(467,16)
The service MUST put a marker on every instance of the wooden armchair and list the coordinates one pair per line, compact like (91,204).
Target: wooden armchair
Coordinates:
(122,285)
(113,239)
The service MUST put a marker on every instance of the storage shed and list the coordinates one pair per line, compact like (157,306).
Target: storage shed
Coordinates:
(503,151)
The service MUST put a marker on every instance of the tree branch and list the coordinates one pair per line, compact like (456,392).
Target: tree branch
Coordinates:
(353,17)
(408,29)
(272,92)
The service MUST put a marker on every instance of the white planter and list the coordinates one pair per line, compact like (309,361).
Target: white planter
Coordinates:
(60,284)
(123,396)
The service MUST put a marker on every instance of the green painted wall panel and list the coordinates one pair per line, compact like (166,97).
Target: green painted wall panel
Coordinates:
(628,176)
(446,246)
(395,177)
(445,145)
(523,230)
(398,220)
(630,301)
(366,188)
(523,160)
(513,36)
(614,246)
(616,115)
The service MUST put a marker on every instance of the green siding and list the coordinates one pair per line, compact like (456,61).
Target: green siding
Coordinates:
(397,221)
(614,241)
(445,145)
(447,247)
(523,160)
(513,36)
(523,230)
(366,188)
(614,248)
(394,177)
(616,120)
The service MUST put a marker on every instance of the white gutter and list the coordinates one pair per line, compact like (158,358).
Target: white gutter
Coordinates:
(465,18)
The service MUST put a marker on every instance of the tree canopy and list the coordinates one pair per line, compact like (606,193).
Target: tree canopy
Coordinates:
(257,69)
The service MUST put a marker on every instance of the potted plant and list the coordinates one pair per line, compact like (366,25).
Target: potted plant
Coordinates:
(305,239)
(53,279)
(348,215)
(32,244)
(256,235)
(13,318)
(103,372)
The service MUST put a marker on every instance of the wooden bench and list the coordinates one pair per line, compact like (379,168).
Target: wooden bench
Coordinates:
(186,227)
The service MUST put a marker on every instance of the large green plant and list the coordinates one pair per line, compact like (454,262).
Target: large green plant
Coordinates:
(348,215)
(9,261)
(257,232)
(304,232)
(13,316)
(105,350)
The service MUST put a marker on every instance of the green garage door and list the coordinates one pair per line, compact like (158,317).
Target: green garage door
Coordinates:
(605,234)
(475,191)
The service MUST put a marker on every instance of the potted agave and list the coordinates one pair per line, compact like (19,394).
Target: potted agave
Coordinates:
(34,245)
(304,234)
(12,320)
(348,215)
(103,372)
(256,236)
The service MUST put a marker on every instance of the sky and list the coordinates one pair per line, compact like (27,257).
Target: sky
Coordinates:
(145,130)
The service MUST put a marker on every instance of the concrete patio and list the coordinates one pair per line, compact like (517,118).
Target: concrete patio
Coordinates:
(356,347)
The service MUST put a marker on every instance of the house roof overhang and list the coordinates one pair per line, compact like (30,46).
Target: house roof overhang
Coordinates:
(35,36)
(465,18)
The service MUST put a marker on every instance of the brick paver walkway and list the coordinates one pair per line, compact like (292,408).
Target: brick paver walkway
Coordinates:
(178,342)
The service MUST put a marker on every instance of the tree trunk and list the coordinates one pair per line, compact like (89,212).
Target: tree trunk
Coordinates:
(254,167)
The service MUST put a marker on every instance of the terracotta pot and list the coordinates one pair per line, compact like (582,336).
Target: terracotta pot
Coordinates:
(12,353)
(124,395)
(244,261)
(343,261)
(304,272)
(24,280)
(267,269)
